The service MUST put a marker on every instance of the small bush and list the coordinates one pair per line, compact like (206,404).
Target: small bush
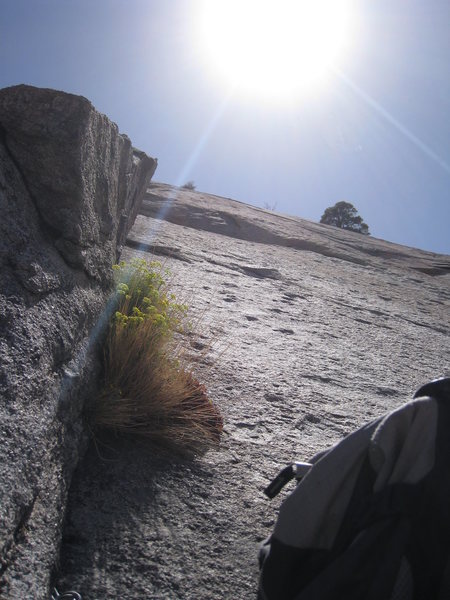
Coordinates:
(148,390)
(189,185)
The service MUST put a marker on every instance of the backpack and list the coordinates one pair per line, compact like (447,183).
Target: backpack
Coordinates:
(370,517)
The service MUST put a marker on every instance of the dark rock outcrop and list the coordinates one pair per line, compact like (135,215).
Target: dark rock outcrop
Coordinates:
(70,188)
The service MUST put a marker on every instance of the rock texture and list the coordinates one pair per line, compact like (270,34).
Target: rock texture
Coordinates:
(312,331)
(70,187)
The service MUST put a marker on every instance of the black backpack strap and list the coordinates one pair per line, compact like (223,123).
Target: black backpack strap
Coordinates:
(428,547)
(439,389)
(444,590)
(432,526)
(403,526)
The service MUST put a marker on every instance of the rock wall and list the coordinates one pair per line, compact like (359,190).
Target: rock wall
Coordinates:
(312,331)
(70,188)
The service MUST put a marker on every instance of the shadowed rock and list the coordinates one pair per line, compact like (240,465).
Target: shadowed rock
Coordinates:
(70,188)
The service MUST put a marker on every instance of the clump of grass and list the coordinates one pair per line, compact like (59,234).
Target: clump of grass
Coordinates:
(148,389)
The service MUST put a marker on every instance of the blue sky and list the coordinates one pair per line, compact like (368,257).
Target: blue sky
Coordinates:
(376,135)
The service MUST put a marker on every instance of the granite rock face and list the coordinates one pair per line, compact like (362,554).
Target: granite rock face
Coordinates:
(70,188)
(81,175)
(313,331)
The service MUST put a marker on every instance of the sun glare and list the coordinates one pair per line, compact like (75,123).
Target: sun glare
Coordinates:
(273,49)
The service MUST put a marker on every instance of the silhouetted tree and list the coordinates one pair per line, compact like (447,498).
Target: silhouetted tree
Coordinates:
(345,216)
(189,185)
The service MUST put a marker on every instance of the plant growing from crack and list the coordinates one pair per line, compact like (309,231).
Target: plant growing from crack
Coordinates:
(148,388)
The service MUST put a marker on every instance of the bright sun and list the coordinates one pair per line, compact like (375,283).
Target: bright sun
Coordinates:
(274,49)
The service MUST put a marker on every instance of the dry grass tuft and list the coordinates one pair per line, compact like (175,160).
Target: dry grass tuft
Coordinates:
(148,391)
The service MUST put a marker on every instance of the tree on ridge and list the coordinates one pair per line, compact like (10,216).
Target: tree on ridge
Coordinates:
(345,216)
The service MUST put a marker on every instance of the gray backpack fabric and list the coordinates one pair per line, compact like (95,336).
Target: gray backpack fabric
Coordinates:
(371,517)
